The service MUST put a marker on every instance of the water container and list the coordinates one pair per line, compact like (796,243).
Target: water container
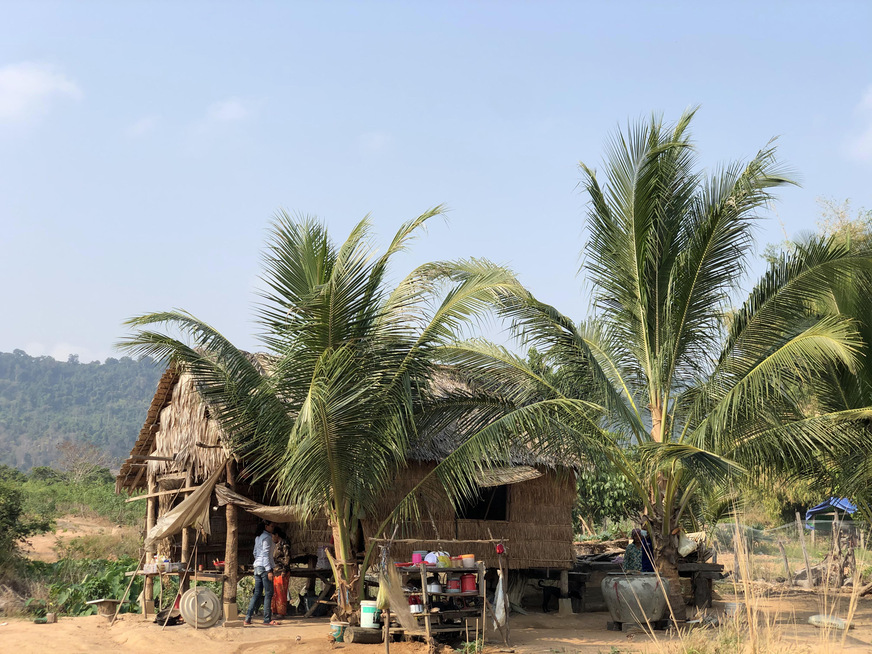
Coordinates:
(467,583)
(337,630)
(368,614)
(636,598)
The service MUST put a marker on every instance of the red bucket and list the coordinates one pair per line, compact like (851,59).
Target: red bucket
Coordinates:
(454,585)
(467,583)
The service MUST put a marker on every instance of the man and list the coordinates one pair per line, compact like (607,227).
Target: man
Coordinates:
(263,574)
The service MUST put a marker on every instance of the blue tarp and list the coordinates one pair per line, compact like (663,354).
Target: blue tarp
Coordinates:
(832,504)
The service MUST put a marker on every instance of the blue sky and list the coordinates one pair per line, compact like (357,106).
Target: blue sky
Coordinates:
(144,147)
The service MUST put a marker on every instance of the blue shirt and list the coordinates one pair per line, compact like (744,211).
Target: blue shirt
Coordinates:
(263,551)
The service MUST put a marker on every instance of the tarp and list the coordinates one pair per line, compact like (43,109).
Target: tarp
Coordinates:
(281,514)
(192,512)
(831,505)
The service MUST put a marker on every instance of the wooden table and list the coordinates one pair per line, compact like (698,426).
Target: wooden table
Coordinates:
(701,575)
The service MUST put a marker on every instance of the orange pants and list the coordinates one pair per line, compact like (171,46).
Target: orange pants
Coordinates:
(280,594)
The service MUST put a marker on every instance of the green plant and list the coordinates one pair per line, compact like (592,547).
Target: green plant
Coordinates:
(471,647)
(72,583)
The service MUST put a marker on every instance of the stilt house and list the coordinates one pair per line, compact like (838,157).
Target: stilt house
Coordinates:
(180,445)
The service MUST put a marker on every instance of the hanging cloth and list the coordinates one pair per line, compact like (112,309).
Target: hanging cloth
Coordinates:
(281,514)
(192,512)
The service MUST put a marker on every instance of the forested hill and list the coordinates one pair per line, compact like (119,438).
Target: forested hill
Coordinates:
(44,402)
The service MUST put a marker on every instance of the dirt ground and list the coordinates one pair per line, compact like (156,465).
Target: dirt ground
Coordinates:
(782,625)
(44,547)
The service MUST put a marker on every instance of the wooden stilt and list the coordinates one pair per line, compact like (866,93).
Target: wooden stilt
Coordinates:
(231,560)
(186,542)
(150,519)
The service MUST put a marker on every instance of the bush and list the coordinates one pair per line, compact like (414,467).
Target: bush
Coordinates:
(72,583)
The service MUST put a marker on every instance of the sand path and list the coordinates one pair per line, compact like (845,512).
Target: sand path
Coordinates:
(539,633)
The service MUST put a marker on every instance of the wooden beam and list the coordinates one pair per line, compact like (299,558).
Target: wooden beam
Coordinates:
(149,457)
(138,477)
(159,494)
(206,445)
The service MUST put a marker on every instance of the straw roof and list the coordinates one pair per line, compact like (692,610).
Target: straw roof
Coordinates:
(178,426)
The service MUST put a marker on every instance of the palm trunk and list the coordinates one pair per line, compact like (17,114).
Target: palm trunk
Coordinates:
(665,545)
(344,566)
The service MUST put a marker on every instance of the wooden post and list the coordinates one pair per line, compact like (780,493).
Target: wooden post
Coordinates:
(804,551)
(565,604)
(386,617)
(482,590)
(186,543)
(426,599)
(231,560)
(784,560)
(150,519)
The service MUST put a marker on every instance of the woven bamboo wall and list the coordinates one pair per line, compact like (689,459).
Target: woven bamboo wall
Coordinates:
(538,531)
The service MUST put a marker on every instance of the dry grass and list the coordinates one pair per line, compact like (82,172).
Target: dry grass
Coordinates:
(761,626)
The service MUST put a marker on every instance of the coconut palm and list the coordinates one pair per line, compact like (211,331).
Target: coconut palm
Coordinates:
(704,391)
(843,388)
(330,421)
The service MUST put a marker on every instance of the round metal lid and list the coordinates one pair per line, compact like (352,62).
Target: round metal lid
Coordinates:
(200,607)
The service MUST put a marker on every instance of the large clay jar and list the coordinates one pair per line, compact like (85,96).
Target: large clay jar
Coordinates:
(638,597)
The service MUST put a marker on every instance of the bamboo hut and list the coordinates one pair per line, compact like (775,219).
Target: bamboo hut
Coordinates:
(180,446)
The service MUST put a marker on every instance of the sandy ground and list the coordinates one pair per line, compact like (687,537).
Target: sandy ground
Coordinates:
(783,624)
(44,546)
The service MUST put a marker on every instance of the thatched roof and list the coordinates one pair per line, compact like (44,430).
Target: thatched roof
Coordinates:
(194,440)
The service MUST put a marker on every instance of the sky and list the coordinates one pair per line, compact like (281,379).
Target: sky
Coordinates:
(146,146)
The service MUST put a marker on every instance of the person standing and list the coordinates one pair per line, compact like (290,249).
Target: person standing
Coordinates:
(281,572)
(263,574)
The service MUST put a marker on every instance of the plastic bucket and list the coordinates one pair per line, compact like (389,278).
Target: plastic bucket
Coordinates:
(337,630)
(418,556)
(468,560)
(453,585)
(734,609)
(368,614)
(467,583)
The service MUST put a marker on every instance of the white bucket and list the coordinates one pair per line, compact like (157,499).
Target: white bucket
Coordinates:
(733,609)
(368,614)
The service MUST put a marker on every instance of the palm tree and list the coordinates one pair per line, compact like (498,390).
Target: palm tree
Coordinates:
(351,362)
(705,392)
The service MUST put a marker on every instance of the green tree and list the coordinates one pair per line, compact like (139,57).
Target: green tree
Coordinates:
(352,363)
(704,393)
(15,526)
(846,388)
